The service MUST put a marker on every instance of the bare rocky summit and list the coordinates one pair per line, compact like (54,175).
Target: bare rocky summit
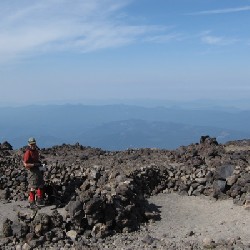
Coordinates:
(194,197)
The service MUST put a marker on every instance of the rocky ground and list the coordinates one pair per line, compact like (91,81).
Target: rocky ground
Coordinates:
(194,197)
(185,223)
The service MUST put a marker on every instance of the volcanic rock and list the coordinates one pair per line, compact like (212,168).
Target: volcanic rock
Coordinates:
(103,193)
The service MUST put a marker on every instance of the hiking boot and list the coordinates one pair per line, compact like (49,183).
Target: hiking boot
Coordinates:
(40,203)
(32,205)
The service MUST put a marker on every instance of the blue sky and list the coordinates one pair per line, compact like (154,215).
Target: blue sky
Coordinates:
(62,51)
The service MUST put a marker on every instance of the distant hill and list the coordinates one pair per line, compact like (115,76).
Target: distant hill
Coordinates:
(117,127)
(144,134)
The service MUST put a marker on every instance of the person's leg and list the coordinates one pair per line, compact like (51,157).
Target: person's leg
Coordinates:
(40,190)
(32,189)
(40,197)
(31,197)
(39,193)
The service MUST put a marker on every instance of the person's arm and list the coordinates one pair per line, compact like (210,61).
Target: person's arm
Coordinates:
(30,165)
(26,161)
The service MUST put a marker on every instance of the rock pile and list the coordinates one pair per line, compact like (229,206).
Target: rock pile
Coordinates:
(105,192)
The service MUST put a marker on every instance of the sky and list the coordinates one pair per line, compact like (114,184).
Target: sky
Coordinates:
(74,51)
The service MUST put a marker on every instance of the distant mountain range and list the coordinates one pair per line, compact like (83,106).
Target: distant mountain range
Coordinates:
(118,127)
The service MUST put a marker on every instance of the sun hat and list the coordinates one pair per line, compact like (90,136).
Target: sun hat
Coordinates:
(32,140)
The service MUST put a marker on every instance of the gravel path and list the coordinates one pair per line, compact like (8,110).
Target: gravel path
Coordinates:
(184,219)
(9,210)
(189,222)
(199,218)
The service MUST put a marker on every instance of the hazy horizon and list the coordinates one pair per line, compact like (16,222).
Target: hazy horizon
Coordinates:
(116,127)
(212,104)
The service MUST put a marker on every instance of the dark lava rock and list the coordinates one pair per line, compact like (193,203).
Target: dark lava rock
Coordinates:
(104,193)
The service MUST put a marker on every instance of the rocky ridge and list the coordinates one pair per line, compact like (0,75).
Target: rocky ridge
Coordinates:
(98,193)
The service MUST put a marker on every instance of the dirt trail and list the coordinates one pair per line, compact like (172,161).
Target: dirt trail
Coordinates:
(183,218)
(199,218)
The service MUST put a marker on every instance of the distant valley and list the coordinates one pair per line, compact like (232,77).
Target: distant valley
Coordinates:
(118,127)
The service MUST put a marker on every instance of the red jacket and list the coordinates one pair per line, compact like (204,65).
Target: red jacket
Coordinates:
(31,156)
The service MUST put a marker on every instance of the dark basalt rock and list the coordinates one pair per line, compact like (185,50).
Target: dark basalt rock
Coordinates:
(104,192)
(5,146)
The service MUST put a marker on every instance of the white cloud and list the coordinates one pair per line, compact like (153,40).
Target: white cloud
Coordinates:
(164,38)
(29,27)
(212,40)
(207,38)
(222,11)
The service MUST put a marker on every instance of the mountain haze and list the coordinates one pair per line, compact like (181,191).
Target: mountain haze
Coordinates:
(117,127)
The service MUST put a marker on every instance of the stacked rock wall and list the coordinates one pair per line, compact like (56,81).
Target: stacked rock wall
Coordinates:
(105,192)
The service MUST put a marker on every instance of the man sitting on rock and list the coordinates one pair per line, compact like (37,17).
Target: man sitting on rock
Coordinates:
(32,163)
